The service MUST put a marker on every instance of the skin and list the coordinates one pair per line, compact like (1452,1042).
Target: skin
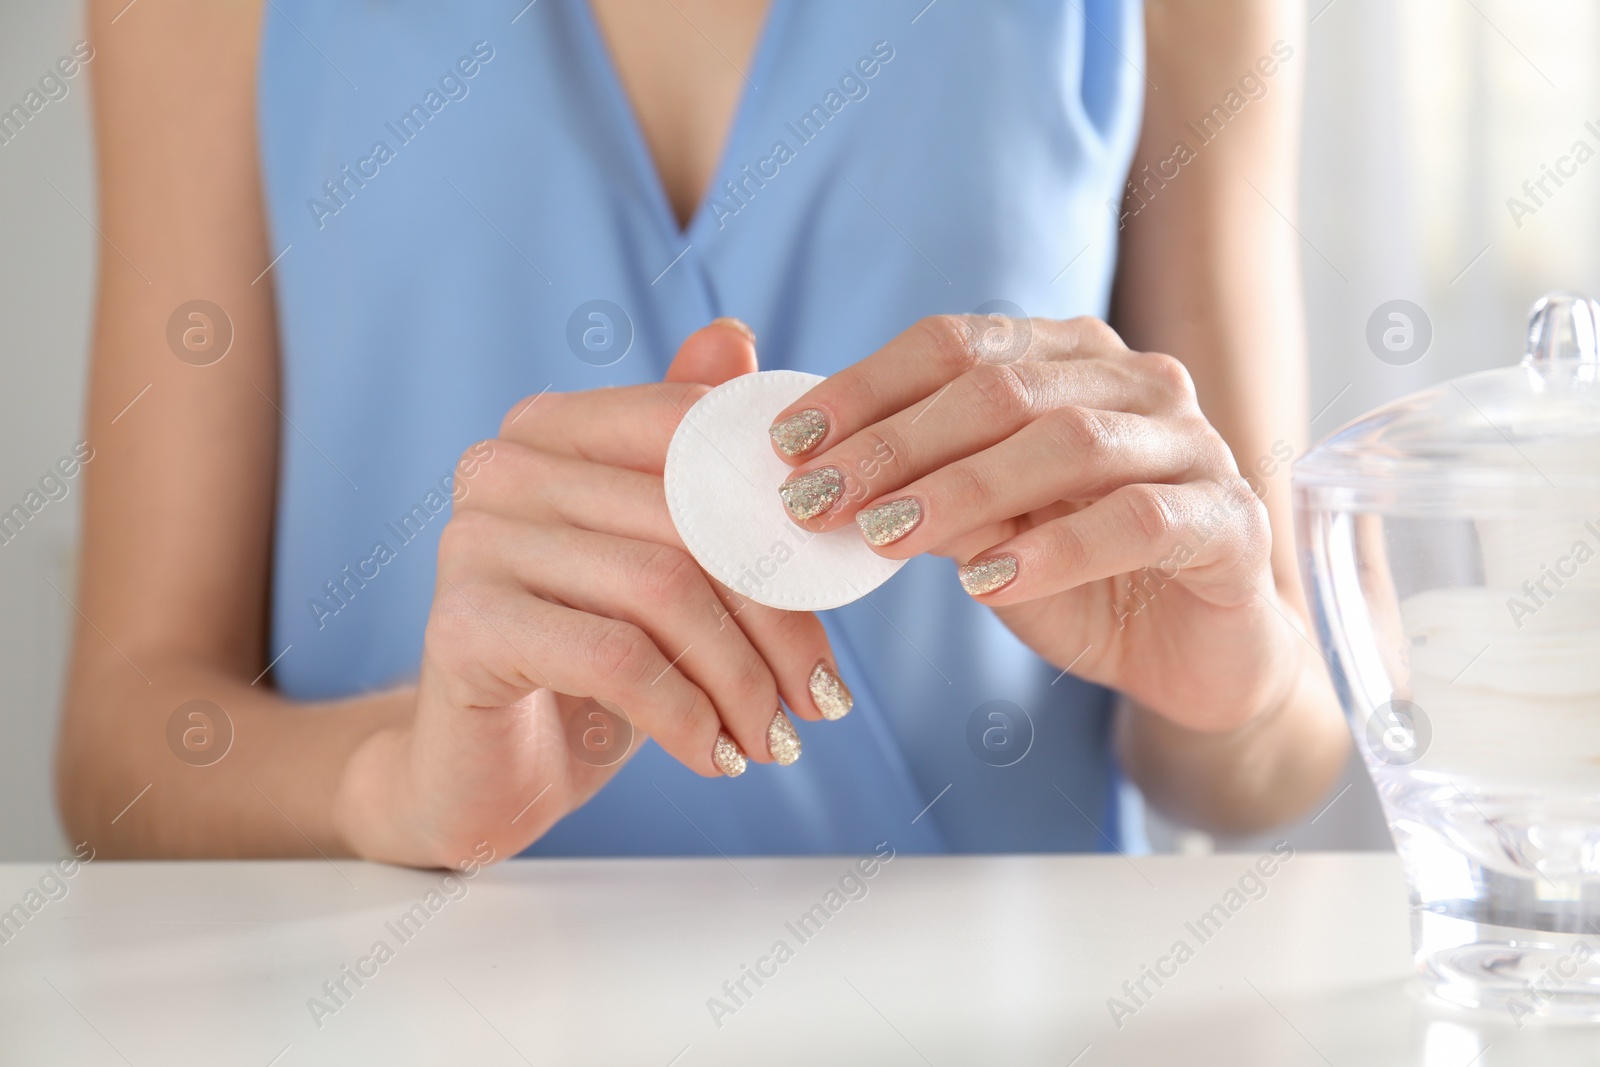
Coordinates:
(676,62)
(175,567)
(1210,271)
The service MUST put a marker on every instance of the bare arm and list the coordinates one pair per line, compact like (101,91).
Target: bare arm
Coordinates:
(179,494)
(1209,271)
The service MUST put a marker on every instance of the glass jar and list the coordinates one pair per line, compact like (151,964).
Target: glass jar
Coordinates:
(1450,542)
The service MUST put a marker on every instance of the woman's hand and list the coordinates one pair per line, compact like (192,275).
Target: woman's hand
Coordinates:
(1087,499)
(562,582)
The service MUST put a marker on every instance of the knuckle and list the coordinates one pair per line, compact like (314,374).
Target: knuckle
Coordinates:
(475,456)
(623,654)
(1004,393)
(877,448)
(1149,512)
(1169,373)
(476,467)
(1217,456)
(950,342)
(1251,509)
(753,684)
(1094,333)
(796,629)
(1240,519)
(463,537)
(1206,454)
(1067,547)
(969,487)
(689,719)
(665,575)
(1081,433)
(453,636)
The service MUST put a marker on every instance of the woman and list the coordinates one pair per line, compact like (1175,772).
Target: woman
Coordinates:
(450,255)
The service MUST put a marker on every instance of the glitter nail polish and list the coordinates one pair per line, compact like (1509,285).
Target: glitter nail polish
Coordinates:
(809,495)
(986,575)
(829,693)
(782,741)
(886,523)
(726,755)
(800,432)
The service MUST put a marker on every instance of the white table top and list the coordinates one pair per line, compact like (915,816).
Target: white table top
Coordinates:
(946,961)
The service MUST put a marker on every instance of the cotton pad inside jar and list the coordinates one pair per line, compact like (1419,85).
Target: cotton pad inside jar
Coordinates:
(722,478)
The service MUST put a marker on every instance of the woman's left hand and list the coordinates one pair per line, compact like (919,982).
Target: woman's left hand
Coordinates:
(1086,498)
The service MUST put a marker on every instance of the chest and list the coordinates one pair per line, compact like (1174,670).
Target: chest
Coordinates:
(683,65)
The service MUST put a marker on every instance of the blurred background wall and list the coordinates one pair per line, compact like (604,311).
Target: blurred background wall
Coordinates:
(1423,119)
(48,247)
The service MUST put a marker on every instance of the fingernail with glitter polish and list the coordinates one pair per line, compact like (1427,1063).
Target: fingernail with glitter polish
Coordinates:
(736,324)
(884,524)
(809,495)
(986,575)
(726,755)
(829,693)
(800,432)
(782,741)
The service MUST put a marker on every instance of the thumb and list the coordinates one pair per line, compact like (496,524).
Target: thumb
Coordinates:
(713,354)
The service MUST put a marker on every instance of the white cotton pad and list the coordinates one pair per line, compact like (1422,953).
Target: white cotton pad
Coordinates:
(722,479)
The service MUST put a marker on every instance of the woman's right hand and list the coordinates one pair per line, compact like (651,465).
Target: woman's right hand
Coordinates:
(561,581)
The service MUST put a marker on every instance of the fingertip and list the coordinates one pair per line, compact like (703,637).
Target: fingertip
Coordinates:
(830,697)
(717,352)
(988,574)
(811,498)
(736,324)
(885,524)
(799,433)
(728,757)
(783,741)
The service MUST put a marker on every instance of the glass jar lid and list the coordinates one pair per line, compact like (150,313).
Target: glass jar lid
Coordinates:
(1507,441)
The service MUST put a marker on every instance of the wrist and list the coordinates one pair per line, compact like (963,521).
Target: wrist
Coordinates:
(1260,773)
(369,812)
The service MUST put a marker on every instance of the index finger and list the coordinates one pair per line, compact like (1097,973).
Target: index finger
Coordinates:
(917,365)
(912,366)
(620,426)
(631,426)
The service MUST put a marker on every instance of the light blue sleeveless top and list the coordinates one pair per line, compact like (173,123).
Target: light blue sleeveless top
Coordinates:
(452,188)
